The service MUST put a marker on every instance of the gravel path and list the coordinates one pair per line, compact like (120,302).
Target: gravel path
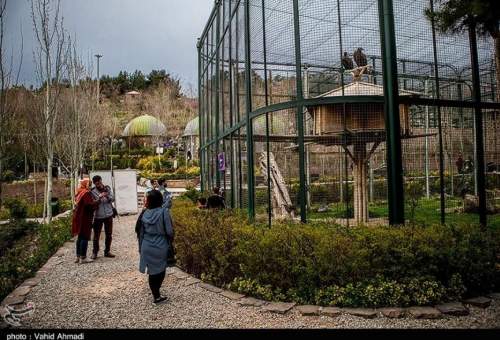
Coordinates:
(112,293)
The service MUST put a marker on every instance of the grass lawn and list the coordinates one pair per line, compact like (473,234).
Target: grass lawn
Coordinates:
(427,211)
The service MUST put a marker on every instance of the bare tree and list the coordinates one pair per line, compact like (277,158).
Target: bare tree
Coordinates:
(79,108)
(50,59)
(7,79)
(165,104)
(29,132)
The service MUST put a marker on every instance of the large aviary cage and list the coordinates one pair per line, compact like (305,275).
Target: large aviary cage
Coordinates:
(348,111)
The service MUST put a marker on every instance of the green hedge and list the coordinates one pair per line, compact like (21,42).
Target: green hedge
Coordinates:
(23,209)
(8,176)
(333,265)
(25,247)
(168,176)
(18,209)
(193,195)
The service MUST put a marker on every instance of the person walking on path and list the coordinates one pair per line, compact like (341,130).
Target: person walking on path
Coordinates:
(81,226)
(103,216)
(155,234)
(167,195)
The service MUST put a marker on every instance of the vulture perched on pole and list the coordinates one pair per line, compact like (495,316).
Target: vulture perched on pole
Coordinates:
(347,62)
(360,57)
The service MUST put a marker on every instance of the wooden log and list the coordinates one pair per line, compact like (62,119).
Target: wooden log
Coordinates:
(360,174)
(282,204)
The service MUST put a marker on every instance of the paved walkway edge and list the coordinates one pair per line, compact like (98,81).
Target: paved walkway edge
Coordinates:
(416,312)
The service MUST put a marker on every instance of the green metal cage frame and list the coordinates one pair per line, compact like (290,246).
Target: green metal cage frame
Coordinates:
(391,101)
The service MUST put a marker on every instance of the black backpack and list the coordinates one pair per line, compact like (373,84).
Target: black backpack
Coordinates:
(138,224)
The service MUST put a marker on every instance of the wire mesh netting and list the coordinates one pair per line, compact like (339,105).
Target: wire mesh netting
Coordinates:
(295,105)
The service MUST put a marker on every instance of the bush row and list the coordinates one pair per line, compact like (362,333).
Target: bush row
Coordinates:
(376,292)
(334,265)
(181,173)
(18,209)
(26,247)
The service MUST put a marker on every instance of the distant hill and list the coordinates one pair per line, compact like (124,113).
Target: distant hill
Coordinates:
(159,94)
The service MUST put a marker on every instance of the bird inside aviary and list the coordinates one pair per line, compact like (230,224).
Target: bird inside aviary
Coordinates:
(361,61)
(347,63)
(360,57)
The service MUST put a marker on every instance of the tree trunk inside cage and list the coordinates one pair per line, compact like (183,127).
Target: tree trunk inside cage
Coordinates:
(281,203)
(360,174)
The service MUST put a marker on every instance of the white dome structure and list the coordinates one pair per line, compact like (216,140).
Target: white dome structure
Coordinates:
(192,128)
(144,126)
(191,138)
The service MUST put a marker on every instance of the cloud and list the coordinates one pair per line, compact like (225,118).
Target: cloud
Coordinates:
(130,34)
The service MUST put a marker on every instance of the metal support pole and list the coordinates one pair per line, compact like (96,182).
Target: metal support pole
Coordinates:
(210,113)
(371,180)
(461,114)
(231,111)
(440,127)
(341,177)
(391,94)
(405,87)
(427,183)
(248,90)
(474,157)
(478,126)
(200,119)
(306,147)
(207,106)
(344,123)
(98,56)
(300,113)
(239,199)
(217,95)
(266,90)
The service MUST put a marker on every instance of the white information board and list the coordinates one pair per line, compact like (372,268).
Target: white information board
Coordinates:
(126,191)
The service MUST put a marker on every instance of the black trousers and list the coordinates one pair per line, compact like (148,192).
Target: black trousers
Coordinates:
(155,282)
(108,230)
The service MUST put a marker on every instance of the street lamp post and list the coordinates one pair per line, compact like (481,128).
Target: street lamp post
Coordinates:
(98,56)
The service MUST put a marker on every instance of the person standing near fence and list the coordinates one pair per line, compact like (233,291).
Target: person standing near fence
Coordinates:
(216,200)
(83,213)
(167,195)
(103,216)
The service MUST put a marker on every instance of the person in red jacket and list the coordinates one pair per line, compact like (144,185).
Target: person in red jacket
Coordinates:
(83,215)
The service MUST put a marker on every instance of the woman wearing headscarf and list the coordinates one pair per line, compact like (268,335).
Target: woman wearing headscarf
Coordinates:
(83,215)
(155,234)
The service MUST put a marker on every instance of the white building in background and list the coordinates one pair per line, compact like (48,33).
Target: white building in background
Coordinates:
(191,139)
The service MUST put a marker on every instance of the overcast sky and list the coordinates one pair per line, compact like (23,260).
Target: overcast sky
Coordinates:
(130,34)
